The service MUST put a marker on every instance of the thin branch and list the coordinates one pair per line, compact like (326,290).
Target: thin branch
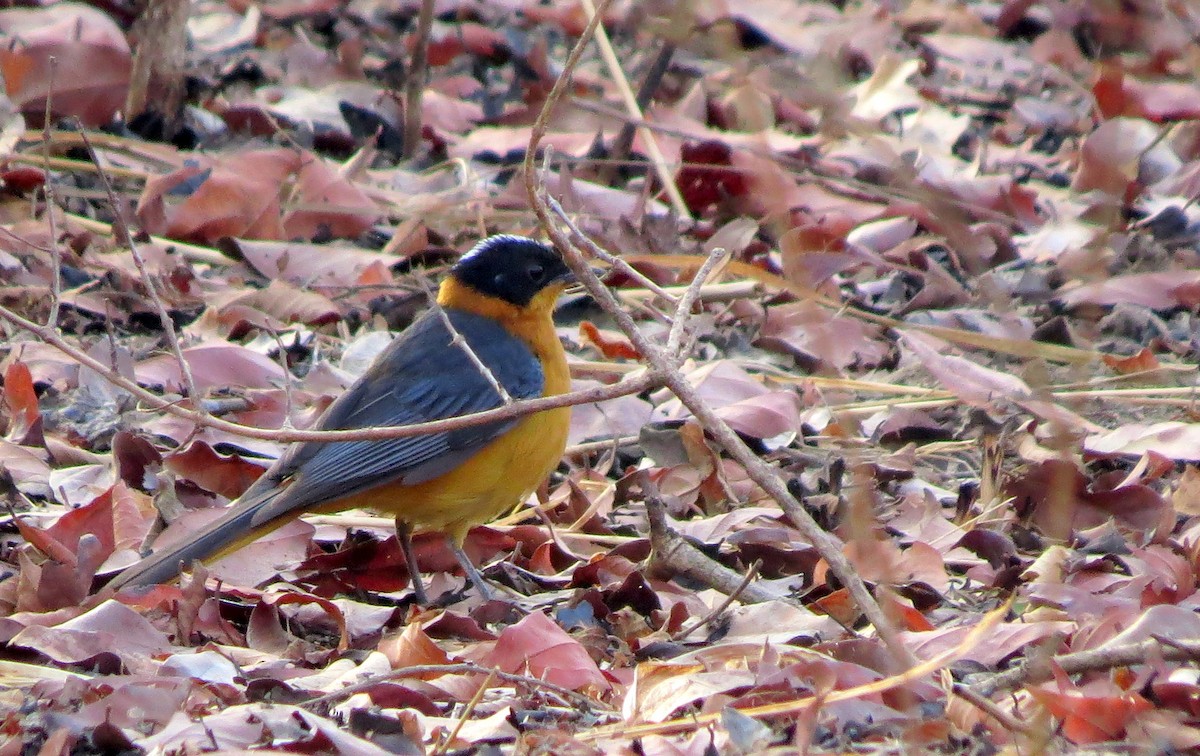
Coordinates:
(683,310)
(193,253)
(52,205)
(677,554)
(414,84)
(599,445)
(989,707)
(624,141)
(466,713)
(126,238)
(720,608)
(683,307)
(1033,671)
(289,399)
(629,385)
(556,92)
(457,339)
(759,471)
(617,262)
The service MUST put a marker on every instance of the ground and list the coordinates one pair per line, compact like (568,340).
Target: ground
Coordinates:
(897,445)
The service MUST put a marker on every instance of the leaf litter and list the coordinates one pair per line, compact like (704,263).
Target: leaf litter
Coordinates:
(959,320)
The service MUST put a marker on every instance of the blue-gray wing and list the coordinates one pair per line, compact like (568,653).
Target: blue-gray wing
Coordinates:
(423,375)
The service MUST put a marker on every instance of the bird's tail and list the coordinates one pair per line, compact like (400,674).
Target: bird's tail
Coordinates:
(225,534)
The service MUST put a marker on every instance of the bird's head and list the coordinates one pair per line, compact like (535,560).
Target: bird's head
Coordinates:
(515,270)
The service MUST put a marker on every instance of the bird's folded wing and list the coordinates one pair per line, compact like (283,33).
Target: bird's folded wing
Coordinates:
(426,374)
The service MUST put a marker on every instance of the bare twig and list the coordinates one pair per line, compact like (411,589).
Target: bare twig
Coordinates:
(591,447)
(684,309)
(618,263)
(466,713)
(1034,671)
(631,105)
(758,470)
(672,551)
(988,707)
(191,252)
(52,205)
(629,385)
(720,608)
(722,292)
(1002,344)
(289,399)
(126,238)
(624,141)
(414,84)
(456,339)
(566,694)
(1191,652)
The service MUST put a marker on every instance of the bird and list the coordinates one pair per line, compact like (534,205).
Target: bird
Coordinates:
(490,338)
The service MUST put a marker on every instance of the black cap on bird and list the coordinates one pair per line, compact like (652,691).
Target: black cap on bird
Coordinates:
(511,268)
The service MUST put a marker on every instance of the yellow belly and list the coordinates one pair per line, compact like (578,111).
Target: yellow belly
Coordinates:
(501,475)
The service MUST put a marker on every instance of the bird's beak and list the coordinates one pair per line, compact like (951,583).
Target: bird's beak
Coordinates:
(569,279)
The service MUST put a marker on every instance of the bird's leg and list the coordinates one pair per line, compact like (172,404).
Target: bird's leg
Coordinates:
(472,573)
(404,536)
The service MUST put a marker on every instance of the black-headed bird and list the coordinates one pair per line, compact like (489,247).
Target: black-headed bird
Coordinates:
(495,313)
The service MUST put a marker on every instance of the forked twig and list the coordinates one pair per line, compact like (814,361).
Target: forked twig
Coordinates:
(615,262)
(683,309)
(673,551)
(720,608)
(759,471)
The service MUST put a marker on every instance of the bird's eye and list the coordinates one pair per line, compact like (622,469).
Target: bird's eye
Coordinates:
(536,273)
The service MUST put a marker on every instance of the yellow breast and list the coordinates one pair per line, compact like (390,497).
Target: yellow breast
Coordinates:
(509,469)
